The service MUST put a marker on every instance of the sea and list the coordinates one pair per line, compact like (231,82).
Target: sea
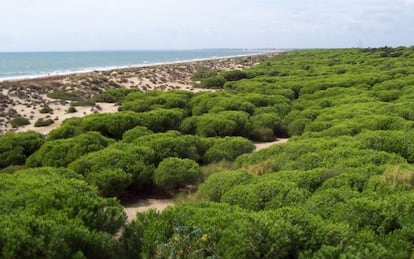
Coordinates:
(22,65)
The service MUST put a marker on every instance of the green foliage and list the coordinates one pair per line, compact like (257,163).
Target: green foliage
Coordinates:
(134,161)
(142,102)
(111,125)
(50,212)
(228,148)
(43,122)
(399,142)
(16,147)
(135,133)
(114,125)
(76,97)
(171,144)
(234,75)
(226,123)
(216,81)
(174,172)
(207,170)
(46,109)
(266,194)
(203,73)
(19,121)
(72,109)
(59,153)
(116,95)
(219,183)
(110,182)
(267,126)
(220,101)
(341,187)
(69,128)
(210,125)
(187,242)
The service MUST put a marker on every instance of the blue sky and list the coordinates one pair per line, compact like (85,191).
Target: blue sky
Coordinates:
(44,25)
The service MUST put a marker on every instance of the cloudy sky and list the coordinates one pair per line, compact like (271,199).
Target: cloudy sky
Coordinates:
(42,25)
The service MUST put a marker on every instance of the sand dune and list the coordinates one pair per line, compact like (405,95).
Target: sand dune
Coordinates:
(25,98)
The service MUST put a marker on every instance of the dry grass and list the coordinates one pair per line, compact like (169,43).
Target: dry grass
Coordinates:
(215,167)
(263,167)
(398,177)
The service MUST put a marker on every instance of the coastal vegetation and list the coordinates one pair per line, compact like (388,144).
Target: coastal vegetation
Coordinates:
(43,122)
(19,121)
(341,187)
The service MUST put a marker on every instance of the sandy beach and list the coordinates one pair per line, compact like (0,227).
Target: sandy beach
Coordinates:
(26,98)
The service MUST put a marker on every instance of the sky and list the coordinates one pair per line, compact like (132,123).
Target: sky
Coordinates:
(65,25)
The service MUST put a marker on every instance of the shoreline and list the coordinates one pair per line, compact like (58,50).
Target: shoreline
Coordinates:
(58,75)
(27,98)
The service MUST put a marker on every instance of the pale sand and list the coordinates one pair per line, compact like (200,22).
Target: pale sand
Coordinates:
(146,204)
(260,146)
(60,114)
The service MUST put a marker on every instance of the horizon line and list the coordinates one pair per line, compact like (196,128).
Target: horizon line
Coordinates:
(127,50)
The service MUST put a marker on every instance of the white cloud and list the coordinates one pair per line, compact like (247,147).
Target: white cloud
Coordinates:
(114,24)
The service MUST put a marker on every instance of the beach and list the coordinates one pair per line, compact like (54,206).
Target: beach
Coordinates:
(27,98)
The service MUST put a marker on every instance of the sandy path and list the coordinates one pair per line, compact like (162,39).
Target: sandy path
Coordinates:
(260,146)
(143,205)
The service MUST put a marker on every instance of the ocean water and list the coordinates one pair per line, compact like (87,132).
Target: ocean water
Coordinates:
(18,65)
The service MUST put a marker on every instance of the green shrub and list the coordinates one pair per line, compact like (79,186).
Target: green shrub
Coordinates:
(114,95)
(228,148)
(257,196)
(43,122)
(72,109)
(262,134)
(110,182)
(62,95)
(69,128)
(16,147)
(59,153)
(203,73)
(152,100)
(133,160)
(219,183)
(56,205)
(217,81)
(19,121)
(297,127)
(46,109)
(111,125)
(207,170)
(174,172)
(135,133)
(170,144)
(211,126)
(11,169)
(234,75)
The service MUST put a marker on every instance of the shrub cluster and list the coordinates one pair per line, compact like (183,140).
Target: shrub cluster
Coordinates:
(342,187)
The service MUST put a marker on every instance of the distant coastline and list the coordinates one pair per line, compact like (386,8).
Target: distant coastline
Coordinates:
(60,73)
(26,98)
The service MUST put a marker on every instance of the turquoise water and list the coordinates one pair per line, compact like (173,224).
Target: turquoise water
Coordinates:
(33,64)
